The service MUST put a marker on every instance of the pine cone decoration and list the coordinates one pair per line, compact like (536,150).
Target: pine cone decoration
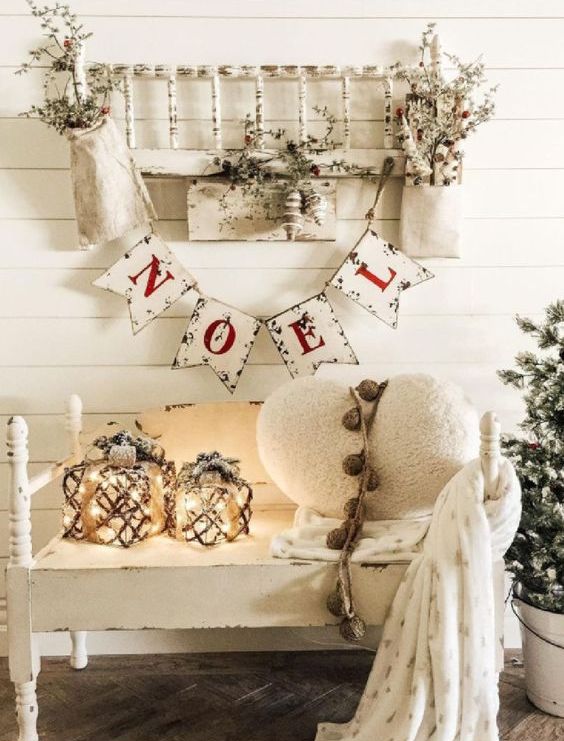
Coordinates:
(337,538)
(353,628)
(316,207)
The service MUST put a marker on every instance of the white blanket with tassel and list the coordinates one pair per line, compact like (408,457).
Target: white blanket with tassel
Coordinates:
(434,676)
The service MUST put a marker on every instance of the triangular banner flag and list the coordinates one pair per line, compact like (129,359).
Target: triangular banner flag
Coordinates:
(374,275)
(219,336)
(151,279)
(309,334)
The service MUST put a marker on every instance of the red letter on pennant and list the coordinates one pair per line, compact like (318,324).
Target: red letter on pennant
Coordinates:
(152,284)
(229,340)
(304,328)
(382,285)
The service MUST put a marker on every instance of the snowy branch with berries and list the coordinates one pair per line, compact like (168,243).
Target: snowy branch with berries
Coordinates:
(73,98)
(440,112)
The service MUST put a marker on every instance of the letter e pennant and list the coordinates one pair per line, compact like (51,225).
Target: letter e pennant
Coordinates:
(151,279)
(219,336)
(309,334)
(375,273)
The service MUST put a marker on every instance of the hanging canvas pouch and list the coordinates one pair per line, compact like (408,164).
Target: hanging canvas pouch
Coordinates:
(431,220)
(110,196)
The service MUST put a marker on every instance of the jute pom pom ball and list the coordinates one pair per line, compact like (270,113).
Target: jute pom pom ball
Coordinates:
(353,628)
(351,507)
(368,390)
(337,538)
(335,604)
(351,419)
(353,464)
(424,432)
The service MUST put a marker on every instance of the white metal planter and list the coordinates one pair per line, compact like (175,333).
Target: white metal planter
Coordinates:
(544,662)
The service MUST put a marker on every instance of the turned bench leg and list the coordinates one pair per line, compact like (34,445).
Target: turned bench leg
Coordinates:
(26,711)
(22,643)
(79,655)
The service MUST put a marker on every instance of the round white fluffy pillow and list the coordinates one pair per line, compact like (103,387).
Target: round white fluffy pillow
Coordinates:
(425,430)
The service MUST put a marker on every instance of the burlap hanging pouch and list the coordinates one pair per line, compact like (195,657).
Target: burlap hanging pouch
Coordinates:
(110,196)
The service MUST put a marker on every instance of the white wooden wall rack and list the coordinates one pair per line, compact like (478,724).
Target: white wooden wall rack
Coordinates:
(178,161)
(79,587)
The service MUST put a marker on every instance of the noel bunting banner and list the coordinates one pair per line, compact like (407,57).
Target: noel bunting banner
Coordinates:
(307,334)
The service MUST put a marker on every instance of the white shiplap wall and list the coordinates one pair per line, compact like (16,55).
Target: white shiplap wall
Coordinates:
(60,335)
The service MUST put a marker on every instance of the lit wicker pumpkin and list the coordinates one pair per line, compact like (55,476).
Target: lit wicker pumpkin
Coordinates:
(118,497)
(213,503)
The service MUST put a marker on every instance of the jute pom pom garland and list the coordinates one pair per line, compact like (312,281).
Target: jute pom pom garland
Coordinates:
(343,538)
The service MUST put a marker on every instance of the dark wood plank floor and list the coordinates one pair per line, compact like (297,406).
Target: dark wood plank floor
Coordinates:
(224,697)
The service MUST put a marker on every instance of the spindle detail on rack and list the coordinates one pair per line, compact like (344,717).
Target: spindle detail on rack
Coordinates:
(302,107)
(259,110)
(346,94)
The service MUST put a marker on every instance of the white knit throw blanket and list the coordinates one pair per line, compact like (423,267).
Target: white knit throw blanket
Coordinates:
(434,676)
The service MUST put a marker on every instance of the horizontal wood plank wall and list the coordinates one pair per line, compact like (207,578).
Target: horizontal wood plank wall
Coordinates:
(60,335)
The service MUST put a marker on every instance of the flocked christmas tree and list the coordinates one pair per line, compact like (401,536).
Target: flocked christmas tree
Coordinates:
(536,557)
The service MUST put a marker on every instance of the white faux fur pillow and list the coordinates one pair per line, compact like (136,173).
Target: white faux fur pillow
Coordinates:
(425,430)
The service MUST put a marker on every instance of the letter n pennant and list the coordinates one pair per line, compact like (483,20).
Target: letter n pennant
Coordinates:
(375,273)
(151,279)
(219,336)
(309,334)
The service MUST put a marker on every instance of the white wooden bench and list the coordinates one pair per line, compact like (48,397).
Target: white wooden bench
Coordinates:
(165,584)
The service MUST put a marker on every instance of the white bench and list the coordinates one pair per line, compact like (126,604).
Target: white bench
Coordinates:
(165,584)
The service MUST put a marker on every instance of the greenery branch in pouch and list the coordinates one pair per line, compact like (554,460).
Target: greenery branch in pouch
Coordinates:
(440,112)
(293,168)
(109,194)
(536,557)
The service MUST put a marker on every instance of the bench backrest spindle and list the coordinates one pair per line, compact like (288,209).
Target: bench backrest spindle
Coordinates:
(19,549)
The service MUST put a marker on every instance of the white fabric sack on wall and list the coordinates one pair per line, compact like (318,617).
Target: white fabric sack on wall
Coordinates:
(110,197)
(431,220)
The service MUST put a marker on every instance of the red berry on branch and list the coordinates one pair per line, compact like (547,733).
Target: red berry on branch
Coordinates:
(399,112)
(105,109)
(465,114)
(248,139)
(315,170)
(421,64)
(67,43)
(233,187)
(534,446)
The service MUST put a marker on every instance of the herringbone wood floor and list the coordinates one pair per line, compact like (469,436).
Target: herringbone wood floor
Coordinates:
(224,697)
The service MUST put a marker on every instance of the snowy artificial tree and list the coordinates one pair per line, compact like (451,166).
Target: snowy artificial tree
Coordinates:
(536,557)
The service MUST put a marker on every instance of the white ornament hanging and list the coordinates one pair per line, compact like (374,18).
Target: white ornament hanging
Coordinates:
(293,220)
(316,207)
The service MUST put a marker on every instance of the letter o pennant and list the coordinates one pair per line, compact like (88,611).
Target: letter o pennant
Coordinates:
(219,336)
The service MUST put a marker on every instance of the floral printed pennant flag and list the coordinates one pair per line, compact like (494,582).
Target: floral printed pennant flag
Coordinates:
(309,334)
(151,279)
(374,275)
(219,336)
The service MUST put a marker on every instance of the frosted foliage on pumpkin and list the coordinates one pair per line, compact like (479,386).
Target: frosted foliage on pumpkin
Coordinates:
(424,432)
